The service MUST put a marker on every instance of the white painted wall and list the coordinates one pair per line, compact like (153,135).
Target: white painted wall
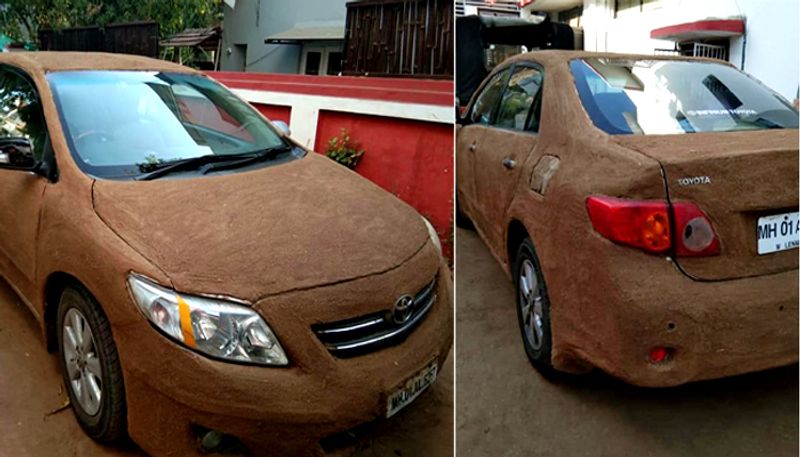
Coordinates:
(250,21)
(771,54)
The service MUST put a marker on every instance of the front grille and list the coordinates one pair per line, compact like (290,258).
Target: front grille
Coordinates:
(368,333)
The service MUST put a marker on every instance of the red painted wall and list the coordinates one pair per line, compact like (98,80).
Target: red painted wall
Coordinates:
(411,159)
(274,112)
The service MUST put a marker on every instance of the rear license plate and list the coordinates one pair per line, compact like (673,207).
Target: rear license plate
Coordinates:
(411,389)
(778,232)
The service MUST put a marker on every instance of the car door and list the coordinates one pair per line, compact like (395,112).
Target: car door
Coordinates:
(471,131)
(21,191)
(505,146)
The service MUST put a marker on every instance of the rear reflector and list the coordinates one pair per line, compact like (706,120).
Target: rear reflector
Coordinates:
(695,236)
(659,354)
(645,224)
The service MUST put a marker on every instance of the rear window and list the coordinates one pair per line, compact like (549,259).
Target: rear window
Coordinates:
(658,97)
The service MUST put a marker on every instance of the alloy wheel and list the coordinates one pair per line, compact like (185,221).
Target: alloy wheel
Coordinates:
(82,362)
(530,303)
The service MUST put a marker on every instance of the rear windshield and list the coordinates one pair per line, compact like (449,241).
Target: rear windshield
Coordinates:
(652,97)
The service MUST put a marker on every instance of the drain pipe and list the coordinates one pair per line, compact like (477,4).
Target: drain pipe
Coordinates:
(744,43)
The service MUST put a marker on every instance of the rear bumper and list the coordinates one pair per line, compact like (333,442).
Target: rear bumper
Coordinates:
(275,411)
(714,329)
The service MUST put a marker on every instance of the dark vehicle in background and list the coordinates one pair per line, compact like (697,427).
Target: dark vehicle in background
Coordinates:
(486,41)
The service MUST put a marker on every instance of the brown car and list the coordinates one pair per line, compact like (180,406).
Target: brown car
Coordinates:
(646,208)
(206,281)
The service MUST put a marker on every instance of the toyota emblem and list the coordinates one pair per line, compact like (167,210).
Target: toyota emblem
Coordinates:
(402,309)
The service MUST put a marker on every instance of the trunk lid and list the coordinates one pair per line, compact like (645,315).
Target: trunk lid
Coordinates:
(735,178)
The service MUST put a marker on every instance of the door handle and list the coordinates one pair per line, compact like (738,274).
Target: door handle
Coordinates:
(473,146)
(509,163)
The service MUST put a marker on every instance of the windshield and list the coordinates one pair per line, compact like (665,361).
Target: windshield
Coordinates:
(655,97)
(125,123)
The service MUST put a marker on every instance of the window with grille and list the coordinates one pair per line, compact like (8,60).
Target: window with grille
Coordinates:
(626,8)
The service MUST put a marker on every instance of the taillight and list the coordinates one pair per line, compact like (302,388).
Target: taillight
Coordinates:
(645,224)
(642,224)
(694,234)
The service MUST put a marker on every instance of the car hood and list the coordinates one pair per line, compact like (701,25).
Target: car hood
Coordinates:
(298,225)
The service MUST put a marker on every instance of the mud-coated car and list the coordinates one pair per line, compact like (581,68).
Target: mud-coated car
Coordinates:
(208,284)
(646,208)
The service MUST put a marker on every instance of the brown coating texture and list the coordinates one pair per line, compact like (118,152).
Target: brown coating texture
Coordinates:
(47,61)
(611,304)
(304,242)
(278,223)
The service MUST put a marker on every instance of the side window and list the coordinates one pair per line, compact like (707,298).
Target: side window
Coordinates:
(21,114)
(487,100)
(522,101)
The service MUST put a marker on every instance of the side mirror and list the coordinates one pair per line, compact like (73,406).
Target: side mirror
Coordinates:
(17,154)
(283,127)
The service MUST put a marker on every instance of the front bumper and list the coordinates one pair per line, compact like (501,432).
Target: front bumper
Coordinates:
(612,318)
(281,411)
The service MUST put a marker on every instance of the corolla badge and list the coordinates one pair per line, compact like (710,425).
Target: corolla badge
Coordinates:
(401,312)
(694,181)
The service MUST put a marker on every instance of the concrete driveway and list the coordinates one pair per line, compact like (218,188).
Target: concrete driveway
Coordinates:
(505,408)
(31,392)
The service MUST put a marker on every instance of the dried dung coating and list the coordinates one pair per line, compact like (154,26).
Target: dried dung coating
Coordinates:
(610,305)
(352,250)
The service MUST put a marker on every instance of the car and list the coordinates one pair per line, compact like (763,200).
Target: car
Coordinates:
(646,209)
(208,284)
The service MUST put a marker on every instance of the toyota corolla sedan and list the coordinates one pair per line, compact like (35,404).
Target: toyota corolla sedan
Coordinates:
(646,208)
(207,283)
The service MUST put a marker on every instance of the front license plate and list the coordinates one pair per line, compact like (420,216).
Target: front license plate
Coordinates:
(778,232)
(411,389)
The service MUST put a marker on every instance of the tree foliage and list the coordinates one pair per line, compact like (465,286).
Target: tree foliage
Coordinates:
(22,19)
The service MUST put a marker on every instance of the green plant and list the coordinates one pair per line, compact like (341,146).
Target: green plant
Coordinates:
(344,150)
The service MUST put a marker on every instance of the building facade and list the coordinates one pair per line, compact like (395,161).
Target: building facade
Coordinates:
(266,36)
(751,34)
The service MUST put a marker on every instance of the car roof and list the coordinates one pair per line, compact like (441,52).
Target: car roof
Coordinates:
(552,57)
(50,61)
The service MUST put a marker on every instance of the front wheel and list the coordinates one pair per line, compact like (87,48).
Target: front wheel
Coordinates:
(90,365)
(533,308)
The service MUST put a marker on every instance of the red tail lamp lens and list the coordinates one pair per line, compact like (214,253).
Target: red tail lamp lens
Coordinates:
(642,224)
(659,354)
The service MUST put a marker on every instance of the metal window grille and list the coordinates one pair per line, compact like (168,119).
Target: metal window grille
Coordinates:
(710,50)
(497,7)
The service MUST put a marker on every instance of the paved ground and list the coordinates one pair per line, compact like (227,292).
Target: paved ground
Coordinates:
(505,408)
(31,387)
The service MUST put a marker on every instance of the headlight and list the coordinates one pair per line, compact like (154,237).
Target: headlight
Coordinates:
(434,236)
(217,328)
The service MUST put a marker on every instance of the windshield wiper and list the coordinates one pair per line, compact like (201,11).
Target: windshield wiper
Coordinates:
(266,154)
(194,163)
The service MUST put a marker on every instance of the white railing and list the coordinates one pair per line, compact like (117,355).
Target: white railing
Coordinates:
(710,50)
(499,7)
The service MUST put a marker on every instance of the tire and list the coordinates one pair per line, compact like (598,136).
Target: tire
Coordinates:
(534,327)
(93,360)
